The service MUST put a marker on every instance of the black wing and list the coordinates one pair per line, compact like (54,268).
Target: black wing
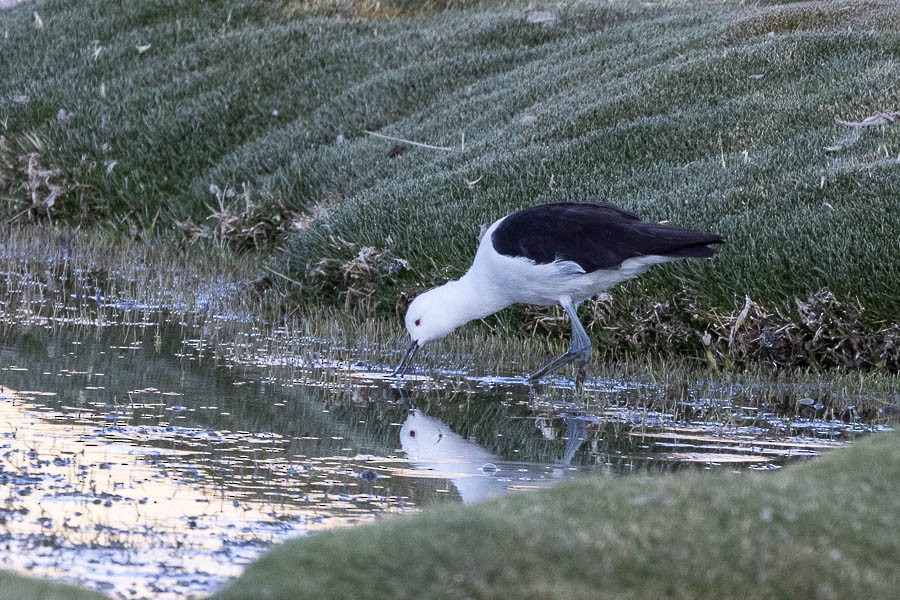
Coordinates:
(595,236)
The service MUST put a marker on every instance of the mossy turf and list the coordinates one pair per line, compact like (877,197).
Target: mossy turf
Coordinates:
(716,115)
(16,587)
(823,529)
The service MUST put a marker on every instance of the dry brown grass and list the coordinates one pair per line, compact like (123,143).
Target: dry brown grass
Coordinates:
(820,332)
(257,223)
(359,273)
(34,187)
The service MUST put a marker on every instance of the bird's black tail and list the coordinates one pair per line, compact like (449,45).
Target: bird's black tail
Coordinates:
(678,242)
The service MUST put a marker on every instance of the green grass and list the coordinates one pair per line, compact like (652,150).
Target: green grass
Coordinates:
(823,529)
(715,115)
(16,587)
(657,109)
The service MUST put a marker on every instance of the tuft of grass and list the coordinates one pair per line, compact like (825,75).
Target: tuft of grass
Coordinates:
(825,528)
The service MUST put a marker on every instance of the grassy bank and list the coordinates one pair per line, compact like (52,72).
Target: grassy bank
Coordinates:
(772,124)
(76,277)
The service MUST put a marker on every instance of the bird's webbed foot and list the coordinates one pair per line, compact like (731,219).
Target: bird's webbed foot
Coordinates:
(580,356)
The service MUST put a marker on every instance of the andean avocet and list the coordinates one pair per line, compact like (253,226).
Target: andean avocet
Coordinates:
(561,253)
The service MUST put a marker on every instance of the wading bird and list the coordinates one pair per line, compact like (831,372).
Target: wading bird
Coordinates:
(550,254)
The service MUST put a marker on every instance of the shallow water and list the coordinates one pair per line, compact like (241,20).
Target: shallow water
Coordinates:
(150,456)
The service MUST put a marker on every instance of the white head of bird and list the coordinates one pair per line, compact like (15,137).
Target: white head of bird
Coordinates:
(437,312)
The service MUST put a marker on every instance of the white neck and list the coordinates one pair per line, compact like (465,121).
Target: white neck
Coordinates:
(467,299)
(439,311)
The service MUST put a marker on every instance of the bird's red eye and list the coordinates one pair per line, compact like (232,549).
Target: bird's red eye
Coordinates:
(418,322)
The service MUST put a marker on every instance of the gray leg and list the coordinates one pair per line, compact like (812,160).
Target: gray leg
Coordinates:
(579,351)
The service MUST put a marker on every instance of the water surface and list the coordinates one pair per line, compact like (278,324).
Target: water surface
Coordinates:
(154,456)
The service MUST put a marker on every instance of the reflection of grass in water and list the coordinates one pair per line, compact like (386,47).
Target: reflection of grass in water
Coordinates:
(142,495)
(632,427)
(95,279)
(633,404)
